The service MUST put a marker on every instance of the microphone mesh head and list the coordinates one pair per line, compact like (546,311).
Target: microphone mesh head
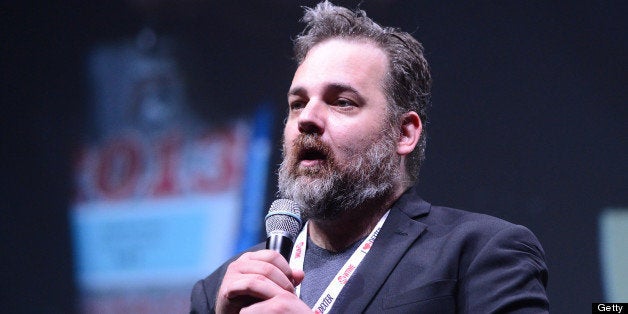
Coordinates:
(284,216)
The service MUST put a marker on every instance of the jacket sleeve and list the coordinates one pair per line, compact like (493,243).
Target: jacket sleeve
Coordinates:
(507,275)
(200,300)
(203,298)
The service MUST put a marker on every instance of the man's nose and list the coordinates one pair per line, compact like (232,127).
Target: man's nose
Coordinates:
(312,117)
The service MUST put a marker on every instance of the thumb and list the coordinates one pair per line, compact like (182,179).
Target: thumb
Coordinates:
(297,276)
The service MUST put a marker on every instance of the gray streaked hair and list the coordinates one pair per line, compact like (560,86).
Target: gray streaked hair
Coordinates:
(408,81)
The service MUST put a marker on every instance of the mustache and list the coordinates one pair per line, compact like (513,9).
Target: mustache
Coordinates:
(310,146)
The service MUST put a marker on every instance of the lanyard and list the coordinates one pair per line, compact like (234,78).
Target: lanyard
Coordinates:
(327,299)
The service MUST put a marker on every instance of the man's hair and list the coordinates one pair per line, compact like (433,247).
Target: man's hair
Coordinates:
(407,83)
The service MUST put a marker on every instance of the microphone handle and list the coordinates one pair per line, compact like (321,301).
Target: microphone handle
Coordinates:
(280,243)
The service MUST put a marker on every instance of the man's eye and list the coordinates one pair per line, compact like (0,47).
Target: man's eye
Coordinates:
(344,103)
(296,105)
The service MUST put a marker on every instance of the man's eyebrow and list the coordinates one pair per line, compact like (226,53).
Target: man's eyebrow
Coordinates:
(296,91)
(337,88)
(340,87)
(334,88)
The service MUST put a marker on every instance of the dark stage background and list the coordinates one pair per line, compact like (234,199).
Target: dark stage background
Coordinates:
(528,120)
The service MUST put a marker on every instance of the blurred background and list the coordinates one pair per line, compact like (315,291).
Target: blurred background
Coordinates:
(141,138)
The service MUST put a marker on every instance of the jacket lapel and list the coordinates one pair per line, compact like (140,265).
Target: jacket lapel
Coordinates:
(396,236)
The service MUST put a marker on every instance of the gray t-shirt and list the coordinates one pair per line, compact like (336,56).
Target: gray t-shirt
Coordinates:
(320,267)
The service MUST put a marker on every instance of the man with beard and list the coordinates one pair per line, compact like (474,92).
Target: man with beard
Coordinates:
(354,140)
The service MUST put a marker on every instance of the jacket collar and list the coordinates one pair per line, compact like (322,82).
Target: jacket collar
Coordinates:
(396,236)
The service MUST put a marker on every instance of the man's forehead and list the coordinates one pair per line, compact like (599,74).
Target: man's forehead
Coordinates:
(342,63)
(340,44)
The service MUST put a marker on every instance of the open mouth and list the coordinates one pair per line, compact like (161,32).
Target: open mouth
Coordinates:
(311,156)
(311,153)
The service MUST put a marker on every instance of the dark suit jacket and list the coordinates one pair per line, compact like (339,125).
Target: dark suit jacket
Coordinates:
(430,259)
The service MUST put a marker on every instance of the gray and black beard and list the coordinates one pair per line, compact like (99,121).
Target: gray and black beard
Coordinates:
(327,190)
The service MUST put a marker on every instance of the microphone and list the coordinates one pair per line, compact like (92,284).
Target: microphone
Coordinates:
(283,223)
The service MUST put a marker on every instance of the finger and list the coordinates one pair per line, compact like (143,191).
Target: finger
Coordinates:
(240,302)
(272,257)
(255,286)
(268,270)
(297,276)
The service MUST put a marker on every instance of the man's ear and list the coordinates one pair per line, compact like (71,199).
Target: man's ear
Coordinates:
(411,129)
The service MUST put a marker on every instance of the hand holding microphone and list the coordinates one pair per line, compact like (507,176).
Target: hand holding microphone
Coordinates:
(263,281)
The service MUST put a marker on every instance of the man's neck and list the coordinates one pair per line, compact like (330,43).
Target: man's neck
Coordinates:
(340,233)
